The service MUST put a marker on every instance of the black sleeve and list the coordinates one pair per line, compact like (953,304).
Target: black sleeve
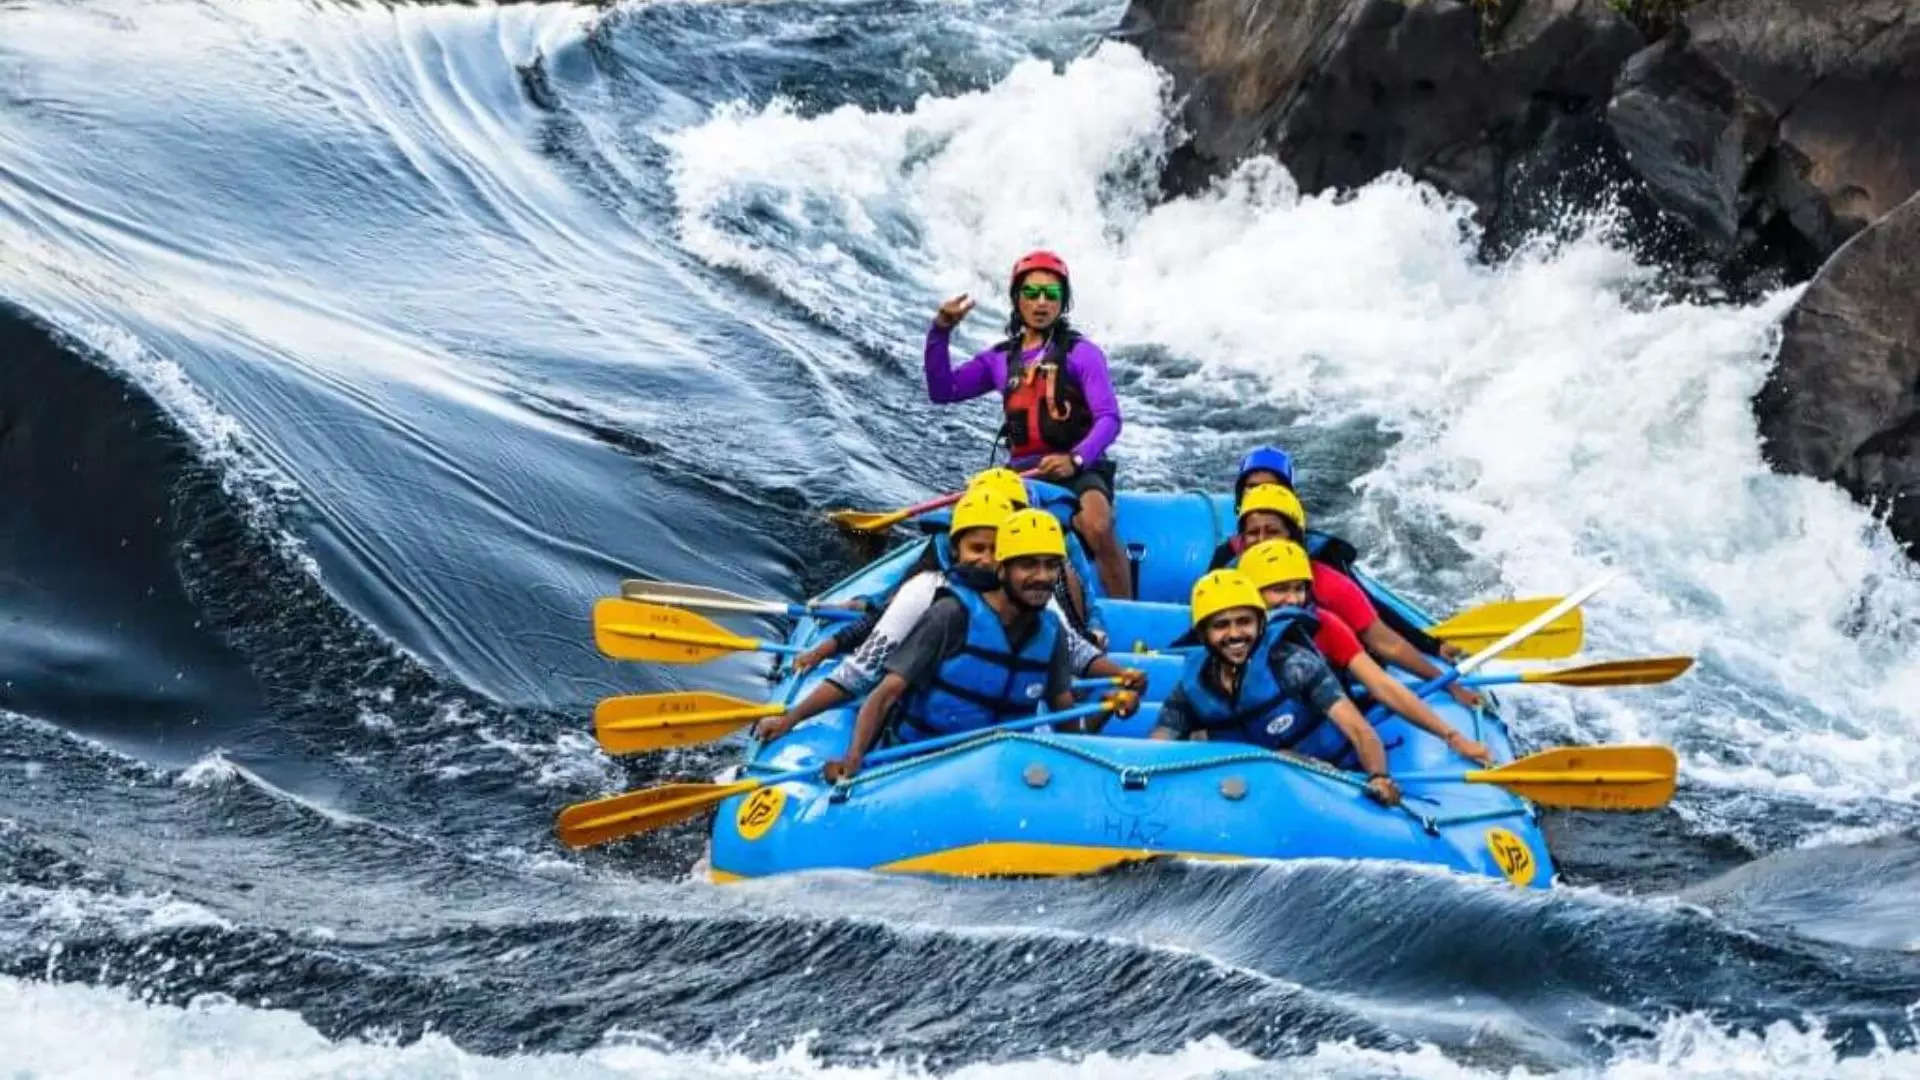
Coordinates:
(1059,665)
(852,635)
(1415,636)
(1222,555)
(1341,555)
(1175,715)
(940,634)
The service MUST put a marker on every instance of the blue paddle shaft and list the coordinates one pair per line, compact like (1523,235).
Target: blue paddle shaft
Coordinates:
(895,753)
(1430,777)
(1476,680)
(1448,675)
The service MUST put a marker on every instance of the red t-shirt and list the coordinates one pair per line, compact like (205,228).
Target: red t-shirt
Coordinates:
(1336,592)
(1336,640)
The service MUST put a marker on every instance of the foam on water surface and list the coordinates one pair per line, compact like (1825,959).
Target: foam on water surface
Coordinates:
(59,1031)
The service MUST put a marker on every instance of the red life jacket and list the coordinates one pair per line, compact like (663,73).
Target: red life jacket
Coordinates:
(1045,407)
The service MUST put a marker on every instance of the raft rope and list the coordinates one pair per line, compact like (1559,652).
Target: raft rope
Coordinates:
(1523,810)
(1133,777)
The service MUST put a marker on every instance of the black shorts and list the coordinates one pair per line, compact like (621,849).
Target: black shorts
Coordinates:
(1095,477)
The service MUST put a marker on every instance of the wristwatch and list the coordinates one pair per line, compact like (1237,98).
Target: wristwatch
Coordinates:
(1078,461)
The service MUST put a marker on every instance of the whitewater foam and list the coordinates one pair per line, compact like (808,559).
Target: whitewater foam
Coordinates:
(74,1031)
(211,771)
(42,918)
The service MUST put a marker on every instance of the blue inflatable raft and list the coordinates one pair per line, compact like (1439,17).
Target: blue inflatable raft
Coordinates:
(1039,803)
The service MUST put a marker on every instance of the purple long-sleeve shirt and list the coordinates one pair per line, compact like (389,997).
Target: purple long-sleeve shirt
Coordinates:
(987,371)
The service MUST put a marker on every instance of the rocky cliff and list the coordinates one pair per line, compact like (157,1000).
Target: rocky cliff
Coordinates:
(1746,139)
(1844,399)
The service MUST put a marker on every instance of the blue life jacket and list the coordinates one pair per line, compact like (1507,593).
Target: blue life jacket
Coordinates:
(1346,757)
(1263,713)
(987,681)
(1055,500)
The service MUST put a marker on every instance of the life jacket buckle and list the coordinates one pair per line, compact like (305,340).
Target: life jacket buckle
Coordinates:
(1056,408)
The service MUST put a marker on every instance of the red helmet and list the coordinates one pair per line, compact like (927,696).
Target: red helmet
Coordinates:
(1038,260)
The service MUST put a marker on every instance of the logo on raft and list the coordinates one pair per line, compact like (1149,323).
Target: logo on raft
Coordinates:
(758,812)
(1510,853)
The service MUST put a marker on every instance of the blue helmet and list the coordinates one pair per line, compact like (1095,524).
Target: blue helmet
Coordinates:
(1271,458)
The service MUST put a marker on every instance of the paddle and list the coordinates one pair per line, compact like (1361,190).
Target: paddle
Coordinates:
(701,596)
(630,630)
(1476,627)
(878,520)
(588,823)
(1647,672)
(1517,635)
(635,723)
(638,722)
(1578,777)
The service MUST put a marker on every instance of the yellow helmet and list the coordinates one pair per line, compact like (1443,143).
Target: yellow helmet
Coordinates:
(978,510)
(1223,590)
(1275,562)
(1003,482)
(1029,532)
(1275,499)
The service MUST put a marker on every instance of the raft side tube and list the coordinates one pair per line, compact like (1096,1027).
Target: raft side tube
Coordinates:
(1050,804)
(1177,533)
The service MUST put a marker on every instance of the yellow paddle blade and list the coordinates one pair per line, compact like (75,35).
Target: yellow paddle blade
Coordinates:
(1590,777)
(589,823)
(630,630)
(1653,669)
(867,520)
(637,722)
(1477,628)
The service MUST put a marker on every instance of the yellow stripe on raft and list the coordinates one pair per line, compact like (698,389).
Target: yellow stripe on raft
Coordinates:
(1011,858)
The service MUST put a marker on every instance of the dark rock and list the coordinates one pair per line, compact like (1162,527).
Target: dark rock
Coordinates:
(1754,138)
(1843,402)
(1844,78)
(1887,467)
(1693,135)
(1237,65)
(1777,128)
(1496,103)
